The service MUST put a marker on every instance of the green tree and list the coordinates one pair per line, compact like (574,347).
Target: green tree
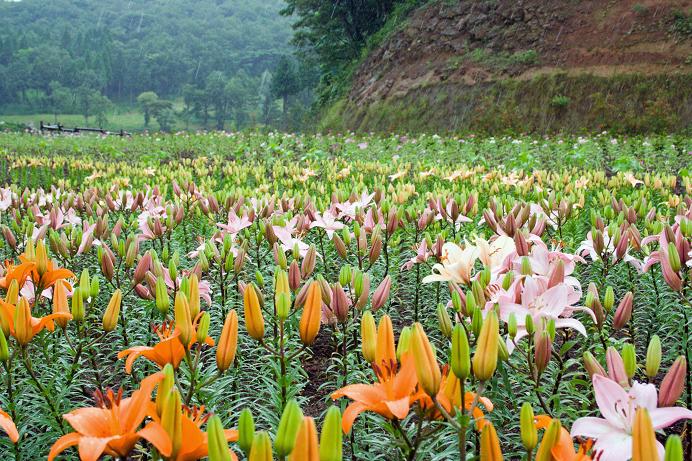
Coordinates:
(285,83)
(60,99)
(147,101)
(92,103)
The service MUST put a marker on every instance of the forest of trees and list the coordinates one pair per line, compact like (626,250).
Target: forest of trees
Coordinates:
(225,63)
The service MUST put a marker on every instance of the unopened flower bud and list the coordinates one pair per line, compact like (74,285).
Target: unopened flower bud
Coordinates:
(609,299)
(527,426)
(653,356)
(485,357)
(112,313)
(246,430)
(623,313)
(368,335)
(427,368)
(592,366)
(331,439)
(629,358)
(443,320)
(673,383)
(287,431)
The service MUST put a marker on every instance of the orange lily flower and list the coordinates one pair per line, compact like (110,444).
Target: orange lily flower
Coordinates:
(193,441)
(111,427)
(8,426)
(449,397)
(563,450)
(168,350)
(24,326)
(390,397)
(29,268)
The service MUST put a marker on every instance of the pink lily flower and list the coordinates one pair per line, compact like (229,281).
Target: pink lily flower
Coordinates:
(456,264)
(235,223)
(613,432)
(541,302)
(328,222)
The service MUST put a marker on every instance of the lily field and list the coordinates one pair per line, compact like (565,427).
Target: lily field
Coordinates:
(247,296)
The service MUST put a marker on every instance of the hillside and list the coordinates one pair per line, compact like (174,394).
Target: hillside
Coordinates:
(124,47)
(527,66)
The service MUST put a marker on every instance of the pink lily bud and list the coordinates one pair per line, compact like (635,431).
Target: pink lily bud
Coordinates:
(326,290)
(392,221)
(622,245)
(176,188)
(510,226)
(309,261)
(557,274)
(270,235)
(180,214)
(670,276)
(592,366)
(651,215)
(110,203)
(239,261)
(294,277)
(543,350)
(623,313)
(302,295)
(375,249)
(469,204)
(143,292)
(381,293)
(340,246)
(673,383)
(107,263)
(142,267)
(490,220)
(9,237)
(616,367)
(539,227)
(521,244)
(340,303)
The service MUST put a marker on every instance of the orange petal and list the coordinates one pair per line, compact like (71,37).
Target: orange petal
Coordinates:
(8,426)
(399,408)
(158,437)
(350,414)
(63,443)
(91,448)
(49,278)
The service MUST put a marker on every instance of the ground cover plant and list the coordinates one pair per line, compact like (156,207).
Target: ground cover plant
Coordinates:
(273,296)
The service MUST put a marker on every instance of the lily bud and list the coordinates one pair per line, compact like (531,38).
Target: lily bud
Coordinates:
(404,344)
(623,313)
(368,336)
(629,358)
(529,434)
(112,313)
(306,447)
(183,320)
(340,246)
(283,305)
(340,303)
(653,356)
(194,296)
(41,258)
(345,275)
(476,321)
(385,352)
(203,327)
(228,342)
(526,266)
(331,440)
(460,355)
(59,302)
(427,368)
(312,314)
(142,267)
(490,444)
(246,430)
(616,367)
(12,295)
(4,348)
(287,432)
(543,350)
(592,366)
(512,326)
(443,320)
(218,447)
(485,358)
(673,448)
(673,383)
(673,257)
(644,446)
(550,438)
(261,446)
(172,420)
(609,299)
(22,322)
(254,321)
(77,305)
(309,261)
(294,277)
(162,301)
(381,293)
(164,388)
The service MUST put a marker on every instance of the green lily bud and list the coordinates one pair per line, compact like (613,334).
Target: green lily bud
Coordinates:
(165,387)
(456,301)
(4,349)
(95,288)
(629,357)
(461,354)
(476,322)
(345,275)
(404,344)
(259,278)
(287,432)
(529,434)
(246,430)
(512,325)
(526,266)
(261,447)
(609,299)
(530,327)
(218,447)
(443,320)
(283,305)
(673,449)
(77,310)
(203,327)
(507,280)
(163,302)
(653,356)
(85,282)
(673,257)
(331,440)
